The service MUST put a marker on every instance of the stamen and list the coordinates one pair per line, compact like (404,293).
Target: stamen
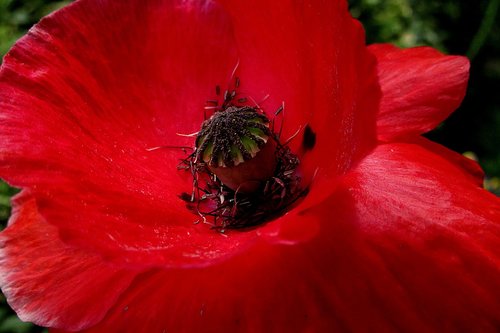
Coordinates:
(242,174)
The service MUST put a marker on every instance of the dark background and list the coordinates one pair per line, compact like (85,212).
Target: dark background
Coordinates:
(453,26)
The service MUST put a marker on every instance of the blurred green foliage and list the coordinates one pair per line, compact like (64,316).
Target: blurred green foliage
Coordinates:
(457,27)
(403,22)
(6,193)
(9,323)
(16,17)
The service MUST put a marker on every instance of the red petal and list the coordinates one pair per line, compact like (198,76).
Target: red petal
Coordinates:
(401,248)
(84,95)
(407,244)
(49,283)
(311,56)
(432,237)
(420,88)
(257,293)
(471,169)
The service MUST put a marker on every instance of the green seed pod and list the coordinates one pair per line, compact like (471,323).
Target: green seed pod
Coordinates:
(230,139)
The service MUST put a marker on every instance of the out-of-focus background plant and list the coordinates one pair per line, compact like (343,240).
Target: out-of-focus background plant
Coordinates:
(464,27)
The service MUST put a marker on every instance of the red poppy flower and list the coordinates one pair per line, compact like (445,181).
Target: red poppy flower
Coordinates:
(395,234)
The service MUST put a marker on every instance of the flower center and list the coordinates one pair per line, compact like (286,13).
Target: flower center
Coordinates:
(242,174)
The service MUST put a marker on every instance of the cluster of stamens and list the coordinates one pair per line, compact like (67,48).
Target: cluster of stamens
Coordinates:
(233,139)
